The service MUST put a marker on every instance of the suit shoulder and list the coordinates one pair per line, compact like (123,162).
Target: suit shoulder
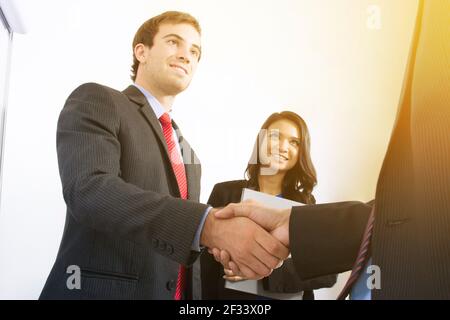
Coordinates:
(231,185)
(96,97)
(90,90)
(225,192)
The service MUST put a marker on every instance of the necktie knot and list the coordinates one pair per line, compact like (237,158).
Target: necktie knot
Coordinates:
(165,119)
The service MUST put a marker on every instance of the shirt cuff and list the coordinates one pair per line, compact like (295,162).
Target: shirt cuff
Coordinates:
(196,244)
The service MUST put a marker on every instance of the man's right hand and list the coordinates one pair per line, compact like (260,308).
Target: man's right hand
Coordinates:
(254,251)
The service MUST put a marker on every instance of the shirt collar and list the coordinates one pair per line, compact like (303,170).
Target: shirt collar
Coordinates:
(158,109)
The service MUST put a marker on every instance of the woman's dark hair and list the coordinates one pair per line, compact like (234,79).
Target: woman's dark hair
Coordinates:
(302,177)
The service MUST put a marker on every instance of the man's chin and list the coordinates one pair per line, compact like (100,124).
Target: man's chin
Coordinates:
(178,87)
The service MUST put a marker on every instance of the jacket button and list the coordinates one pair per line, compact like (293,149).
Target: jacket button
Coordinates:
(170,285)
(155,243)
(169,249)
(162,246)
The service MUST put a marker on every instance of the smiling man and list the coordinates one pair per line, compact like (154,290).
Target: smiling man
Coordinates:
(131,183)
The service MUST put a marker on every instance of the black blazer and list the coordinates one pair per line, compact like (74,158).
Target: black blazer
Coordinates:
(282,280)
(126,227)
(411,237)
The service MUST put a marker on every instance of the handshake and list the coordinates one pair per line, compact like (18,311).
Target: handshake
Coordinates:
(247,238)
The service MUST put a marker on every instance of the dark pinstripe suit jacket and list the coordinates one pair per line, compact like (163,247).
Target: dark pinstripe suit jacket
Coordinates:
(411,240)
(126,227)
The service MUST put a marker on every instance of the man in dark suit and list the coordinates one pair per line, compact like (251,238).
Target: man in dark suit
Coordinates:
(410,242)
(131,183)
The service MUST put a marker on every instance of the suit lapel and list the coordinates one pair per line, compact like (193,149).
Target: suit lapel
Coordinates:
(135,95)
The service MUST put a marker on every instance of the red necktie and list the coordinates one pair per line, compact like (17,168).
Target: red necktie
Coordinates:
(180,174)
(361,259)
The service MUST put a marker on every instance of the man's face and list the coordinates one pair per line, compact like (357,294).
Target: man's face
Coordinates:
(169,65)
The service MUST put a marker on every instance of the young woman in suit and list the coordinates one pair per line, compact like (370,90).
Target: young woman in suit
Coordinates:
(280,166)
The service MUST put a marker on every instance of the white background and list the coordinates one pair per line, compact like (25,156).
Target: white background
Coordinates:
(324,59)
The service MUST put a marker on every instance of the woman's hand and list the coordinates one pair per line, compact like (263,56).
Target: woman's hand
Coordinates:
(230,276)
(231,270)
(224,258)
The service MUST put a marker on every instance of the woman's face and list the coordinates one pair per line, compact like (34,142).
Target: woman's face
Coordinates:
(283,143)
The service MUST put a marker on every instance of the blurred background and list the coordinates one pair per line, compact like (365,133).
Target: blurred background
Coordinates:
(338,64)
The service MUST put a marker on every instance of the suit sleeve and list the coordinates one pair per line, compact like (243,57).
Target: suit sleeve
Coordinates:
(286,280)
(89,150)
(325,238)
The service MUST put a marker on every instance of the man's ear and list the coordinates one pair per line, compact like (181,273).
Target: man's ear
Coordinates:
(140,52)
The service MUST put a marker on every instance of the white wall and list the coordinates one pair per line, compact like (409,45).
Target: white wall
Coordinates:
(321,59)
